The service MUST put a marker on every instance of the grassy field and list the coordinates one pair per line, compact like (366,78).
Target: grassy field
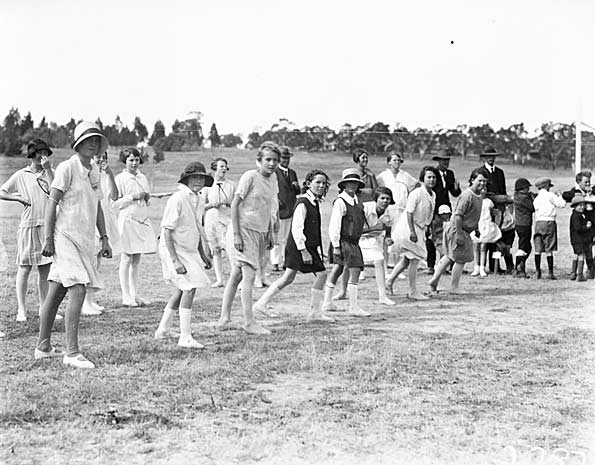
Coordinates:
(502,374)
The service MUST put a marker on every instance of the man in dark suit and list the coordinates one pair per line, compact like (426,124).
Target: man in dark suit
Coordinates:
(496,186)
(289,187)
(496,181)
(446,185)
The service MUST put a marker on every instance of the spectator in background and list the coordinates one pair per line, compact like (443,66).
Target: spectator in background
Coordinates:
(289,187)
(582,187)
(30,187)
(218,214)
(361,159)
(446,185)
(523,224)
(581,236)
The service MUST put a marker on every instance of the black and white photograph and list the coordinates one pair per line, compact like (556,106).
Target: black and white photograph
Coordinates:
(316,232)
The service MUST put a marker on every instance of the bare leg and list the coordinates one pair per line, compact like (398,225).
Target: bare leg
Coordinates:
(42,282)
(457,272)
(287,278)
(443,264)
(133,279)
(413,292)
(380,283)
(173,304)
(397,270)
(228,294)
(218,266)
(342,295)
(482,260)
(22,279)
(76,296)
(49,308)
(250,324)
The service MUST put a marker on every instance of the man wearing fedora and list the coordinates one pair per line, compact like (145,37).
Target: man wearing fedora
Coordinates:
(446,185)
(289,187)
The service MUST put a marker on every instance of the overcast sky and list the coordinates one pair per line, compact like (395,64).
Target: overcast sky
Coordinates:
(245,64)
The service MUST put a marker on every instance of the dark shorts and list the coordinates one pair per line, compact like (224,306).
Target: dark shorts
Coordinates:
(524,235)
(351,255)
(545,237)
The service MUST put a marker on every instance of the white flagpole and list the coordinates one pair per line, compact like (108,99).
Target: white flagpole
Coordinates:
(577,147)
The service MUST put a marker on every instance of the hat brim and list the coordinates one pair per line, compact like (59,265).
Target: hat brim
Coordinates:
(342,182)
(440,157)
(104,141)
(31,155)
(495,154)
(208,178)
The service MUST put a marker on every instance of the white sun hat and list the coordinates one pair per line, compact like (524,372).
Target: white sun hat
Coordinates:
(86,129)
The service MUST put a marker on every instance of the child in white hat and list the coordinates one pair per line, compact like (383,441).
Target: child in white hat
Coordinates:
(184,252)
(345,230)
(580,236)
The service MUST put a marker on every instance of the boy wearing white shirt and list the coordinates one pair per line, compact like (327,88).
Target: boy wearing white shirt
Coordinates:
(545,237)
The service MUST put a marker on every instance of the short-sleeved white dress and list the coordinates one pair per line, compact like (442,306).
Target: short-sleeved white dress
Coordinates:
(217,219)
(134,225)
(420,203)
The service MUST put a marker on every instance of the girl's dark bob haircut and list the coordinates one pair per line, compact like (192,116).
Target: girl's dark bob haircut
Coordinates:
(124,154)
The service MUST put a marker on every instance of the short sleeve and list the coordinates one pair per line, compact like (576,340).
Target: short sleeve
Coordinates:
(245,185)
(412,202)
(171,214)
(11,184)
(62,177)
(462,205)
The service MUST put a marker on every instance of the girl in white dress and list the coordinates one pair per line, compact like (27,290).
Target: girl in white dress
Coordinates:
(183,251)
(489,233)
(110,193)
(30,187)
(73,213)
(218,214)
(136,232)
(411,228)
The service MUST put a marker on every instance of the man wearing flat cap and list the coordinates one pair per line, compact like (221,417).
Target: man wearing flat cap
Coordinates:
(446,185)
(289,187)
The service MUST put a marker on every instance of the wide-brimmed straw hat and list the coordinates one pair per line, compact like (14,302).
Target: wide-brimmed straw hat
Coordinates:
(445,154)
(196,168)
(351,174)
(86,129)
(490,152)
(35,146)
(577,199)
(542,183)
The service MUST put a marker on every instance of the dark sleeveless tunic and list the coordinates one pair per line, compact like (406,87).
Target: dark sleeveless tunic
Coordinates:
(352,226)
(293,257)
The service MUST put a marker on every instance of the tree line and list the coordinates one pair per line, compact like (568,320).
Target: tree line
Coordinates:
(552,146)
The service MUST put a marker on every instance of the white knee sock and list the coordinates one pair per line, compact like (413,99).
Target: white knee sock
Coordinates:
(185,314)
(165,322)
(328,293)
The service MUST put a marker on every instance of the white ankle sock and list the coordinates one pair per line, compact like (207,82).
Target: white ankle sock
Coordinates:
(352,292)
(328,293)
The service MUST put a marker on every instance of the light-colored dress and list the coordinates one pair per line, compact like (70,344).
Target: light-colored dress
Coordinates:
(76,218)
(111,218)
(400,185)
(372,243)
(183,215)
(420,204)
(134,225)
(31,231)
(3,258)
(217,219)
(489,232)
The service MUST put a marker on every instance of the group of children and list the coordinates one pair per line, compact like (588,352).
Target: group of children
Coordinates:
(533,218)
(207,215)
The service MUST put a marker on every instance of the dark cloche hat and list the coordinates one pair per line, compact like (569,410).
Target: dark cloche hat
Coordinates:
(196,168)
(521,183)
(35,146)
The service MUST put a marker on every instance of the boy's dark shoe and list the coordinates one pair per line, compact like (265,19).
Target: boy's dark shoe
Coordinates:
(551,276)
(538,274)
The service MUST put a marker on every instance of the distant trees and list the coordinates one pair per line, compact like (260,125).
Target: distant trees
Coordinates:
(552,146)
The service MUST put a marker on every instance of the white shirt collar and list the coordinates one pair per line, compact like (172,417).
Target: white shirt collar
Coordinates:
(488,167)
(350,200)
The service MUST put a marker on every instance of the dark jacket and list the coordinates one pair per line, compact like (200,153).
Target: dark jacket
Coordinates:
(496,182)
(569,194)
(523,209)
(579,232)
(442,192)
(288,189)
